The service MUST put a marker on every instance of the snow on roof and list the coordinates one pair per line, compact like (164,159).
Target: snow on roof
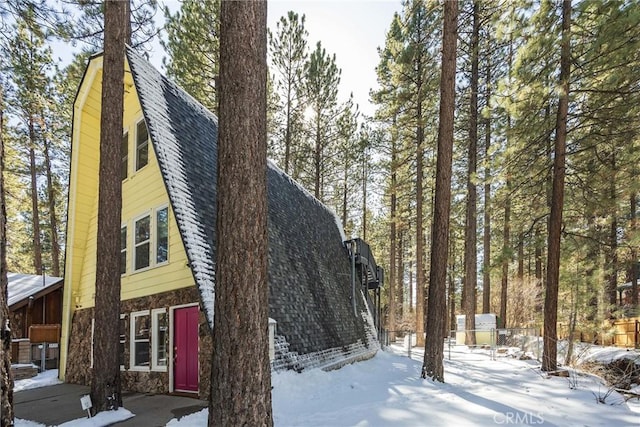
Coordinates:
(188,166)
(22,286)
(184,137)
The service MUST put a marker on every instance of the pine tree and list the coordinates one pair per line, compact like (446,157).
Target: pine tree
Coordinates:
(435,325)
(470,248)
(6,382)
(105,380)
(549,355)
(322,77)
(189,64)
(241,373)
(30,59)
(288,53)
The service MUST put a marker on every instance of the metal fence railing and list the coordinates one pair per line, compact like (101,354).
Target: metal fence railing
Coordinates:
(527,341)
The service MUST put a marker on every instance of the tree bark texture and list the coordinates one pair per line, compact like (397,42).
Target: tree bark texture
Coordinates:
(6,382)
(35,210)
(486,244)
(393,242)
(105,381)
(432,366)
(53,218)
(550,336)
(470,244)
(241,373)
(611,257)
(420,279)
(633,276)
(506,255)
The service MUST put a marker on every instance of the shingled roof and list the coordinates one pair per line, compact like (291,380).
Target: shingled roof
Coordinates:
(310,291)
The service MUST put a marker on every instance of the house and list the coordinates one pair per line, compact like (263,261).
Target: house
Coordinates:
(33,300)
(35,315)
(319,285)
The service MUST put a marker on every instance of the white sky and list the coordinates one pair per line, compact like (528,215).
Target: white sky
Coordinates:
(387,391)
(352,29)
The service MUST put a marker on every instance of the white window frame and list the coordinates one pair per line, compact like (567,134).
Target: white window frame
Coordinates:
(155,344)
(126,247)
(132,341)
(137,147)
(135,245)
(152,214)
(125,156)
(122,316)
(154,236)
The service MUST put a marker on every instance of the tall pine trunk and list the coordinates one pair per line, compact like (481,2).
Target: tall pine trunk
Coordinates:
(53,218)
(317,160)
(550,336)
(435,326)
(35,211)
(611,257)
(241,372)
(633,276)
(105,379)
(393,241)
(287,134)
(486,244)
(506,230)
(470,231)
(420,282)
(6,382)
(364,196)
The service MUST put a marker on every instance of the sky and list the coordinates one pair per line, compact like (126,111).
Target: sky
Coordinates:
(352,29)
(479,390)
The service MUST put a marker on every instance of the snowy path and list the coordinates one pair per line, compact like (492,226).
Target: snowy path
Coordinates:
(387,391)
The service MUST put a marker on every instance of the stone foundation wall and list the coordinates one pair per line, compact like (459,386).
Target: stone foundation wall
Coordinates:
(16,323)
(79,359)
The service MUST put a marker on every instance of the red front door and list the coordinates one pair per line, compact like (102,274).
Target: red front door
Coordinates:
(185,349)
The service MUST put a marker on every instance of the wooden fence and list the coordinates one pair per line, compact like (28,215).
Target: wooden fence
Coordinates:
(619,333)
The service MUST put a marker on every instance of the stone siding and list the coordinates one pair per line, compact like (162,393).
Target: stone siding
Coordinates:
(79,359)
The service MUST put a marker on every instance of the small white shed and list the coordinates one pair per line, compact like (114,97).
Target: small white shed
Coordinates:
(486,325)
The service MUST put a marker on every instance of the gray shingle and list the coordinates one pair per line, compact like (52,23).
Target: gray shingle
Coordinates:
(309,269)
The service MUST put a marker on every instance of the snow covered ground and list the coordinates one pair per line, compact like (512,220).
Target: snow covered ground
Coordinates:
(41,380)
(388,391)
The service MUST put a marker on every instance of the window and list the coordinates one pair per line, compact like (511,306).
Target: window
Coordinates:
(142,145)
(142,243)
(159,339)
(123,339)
(123,250)
(150,240)
(139,340)
(124,150)
(162,235)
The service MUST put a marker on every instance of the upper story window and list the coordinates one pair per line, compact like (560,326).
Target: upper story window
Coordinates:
(142,243)
(150,239)
(124,150)
(123,250)
(162,235)
(142,145)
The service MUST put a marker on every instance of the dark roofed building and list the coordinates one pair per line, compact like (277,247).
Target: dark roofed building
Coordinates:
(33,300)
(320,313)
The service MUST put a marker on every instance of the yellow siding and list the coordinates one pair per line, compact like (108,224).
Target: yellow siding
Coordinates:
(142,192)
